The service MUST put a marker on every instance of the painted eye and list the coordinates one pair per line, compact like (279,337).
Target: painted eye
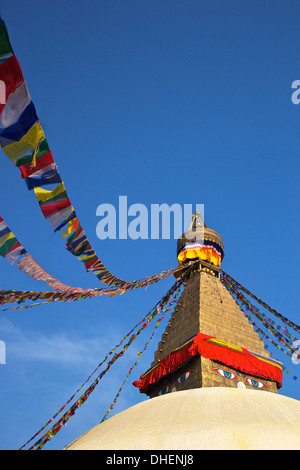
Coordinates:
(256,383)
(225,373)
(164,390)
(183,377)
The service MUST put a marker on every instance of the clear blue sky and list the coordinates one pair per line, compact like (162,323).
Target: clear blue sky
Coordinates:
(165,102)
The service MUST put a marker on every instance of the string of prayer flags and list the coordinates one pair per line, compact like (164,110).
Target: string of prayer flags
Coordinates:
(162,312)
(228,281)
(20,297)
(270,325)
(55,428)
(264,336)
(24,307)
(282,339)
(130,371)
(64,293)
(10,247)
(31,267)
(144,319)
(23,140)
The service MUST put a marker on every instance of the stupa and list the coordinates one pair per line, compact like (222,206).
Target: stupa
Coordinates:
(212,385)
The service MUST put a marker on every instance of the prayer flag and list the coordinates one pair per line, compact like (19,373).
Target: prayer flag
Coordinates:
(14,253)
(78,234)
(29,142)
(72,225)
(5,45)
(57,218)
(66,220)
(79,246)
(47,175)
(44,195)
(6,243)
(51,208)
(15,105)
(89,264)
(4,230)
(11,75)
(42,149)
(42,161)
(16,131)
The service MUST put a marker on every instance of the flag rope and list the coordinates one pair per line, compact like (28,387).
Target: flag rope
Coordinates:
(156,310)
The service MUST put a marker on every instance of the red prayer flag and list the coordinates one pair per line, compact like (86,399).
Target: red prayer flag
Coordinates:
(89,264)
(42,162)
(50,208)
(11,75)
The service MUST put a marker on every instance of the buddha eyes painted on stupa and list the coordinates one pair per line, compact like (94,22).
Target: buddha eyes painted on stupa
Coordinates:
(236,376)
(224,373)
(183,377)
(164,390)
(255,383)
(179,380)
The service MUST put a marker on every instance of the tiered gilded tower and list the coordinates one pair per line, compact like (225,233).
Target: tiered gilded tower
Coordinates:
(206,307)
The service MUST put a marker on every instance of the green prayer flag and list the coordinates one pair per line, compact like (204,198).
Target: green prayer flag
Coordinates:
(56,198)
(43,148)
(5,45)
(4,249)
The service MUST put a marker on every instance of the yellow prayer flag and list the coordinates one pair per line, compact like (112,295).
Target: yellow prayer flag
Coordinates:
(71,226)
(44,195)
(6,237)
(29,142)
(86,258)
